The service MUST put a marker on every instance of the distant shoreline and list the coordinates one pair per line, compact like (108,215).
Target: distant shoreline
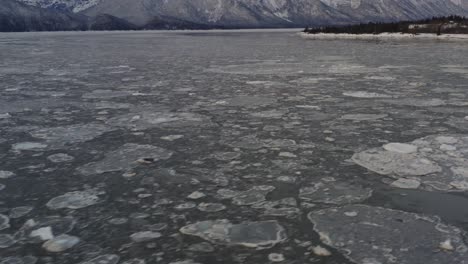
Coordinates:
(383,36)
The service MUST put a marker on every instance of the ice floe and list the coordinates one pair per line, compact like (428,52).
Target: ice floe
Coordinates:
(6,174)
(380,235)
(60,158)
(144,236)
(6,240)
(61,243)
(103,259)
(211,207)
(334,192)
(124,158)
(151,119)
(57,137)
(45,228)
(364,94)
(434,162)
(363,117)
(4,222)
(19,260)
(259,235)
(74,200)
(29,146)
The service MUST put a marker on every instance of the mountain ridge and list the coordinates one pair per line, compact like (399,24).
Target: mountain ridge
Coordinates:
(175,14)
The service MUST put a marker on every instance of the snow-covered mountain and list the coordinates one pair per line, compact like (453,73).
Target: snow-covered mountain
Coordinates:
(16,16)
(258,13)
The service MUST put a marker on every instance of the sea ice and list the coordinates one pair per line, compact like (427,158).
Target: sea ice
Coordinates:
(364,94)
(6,240)
(4,222)
(333,192)
(61,243)
(103,259)
(74,200)
(144,236)
(428,162)
(57,137)
(257,235)
(6,174)
(125,158)
(380,235)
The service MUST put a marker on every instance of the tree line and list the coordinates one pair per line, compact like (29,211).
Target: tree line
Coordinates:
(436,25)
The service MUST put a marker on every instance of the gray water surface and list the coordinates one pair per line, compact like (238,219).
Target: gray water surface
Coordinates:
(232,147)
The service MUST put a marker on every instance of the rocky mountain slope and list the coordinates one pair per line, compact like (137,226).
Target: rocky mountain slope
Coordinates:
(15,16)
(253,13)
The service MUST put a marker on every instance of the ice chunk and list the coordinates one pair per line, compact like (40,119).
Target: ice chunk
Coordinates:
(144,236)
(43,233)
(19,260)
(125,158)
(388,236)
(20,211)
(46,227)
(421,163)
(401,148)
(201,247)
(150,119)
(363,117)
(4,222)
(332,192)
(211,207)
(61,243)
(196,195)
(364,94)
(31,146)
(103,259)
(276,257)
(74,200)
(57,137)
(265,234)
(6,174)
(404,183)
(60,157)
(321,251)
(255,195)
(6,241)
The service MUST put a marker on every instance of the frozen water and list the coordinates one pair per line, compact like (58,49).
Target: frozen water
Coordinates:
(60,157)
(6,174)
(33,146)
(255,195)
(401,148)
(379,235)
(333,192)
(45,228)
(363,117)
(57,137)
(211,207)
(144,236)
(61,243)
(124,158)
(103,259)
(4,222)
(174,129)
(6,240)
(201,247)
(249,234)
(434,162)
(363,94)
(74,200)
(19,260)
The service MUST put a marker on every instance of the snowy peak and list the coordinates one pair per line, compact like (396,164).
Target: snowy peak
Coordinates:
(256,13)
(69,5)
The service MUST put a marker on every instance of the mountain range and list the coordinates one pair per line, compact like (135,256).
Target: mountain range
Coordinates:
(37,15)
